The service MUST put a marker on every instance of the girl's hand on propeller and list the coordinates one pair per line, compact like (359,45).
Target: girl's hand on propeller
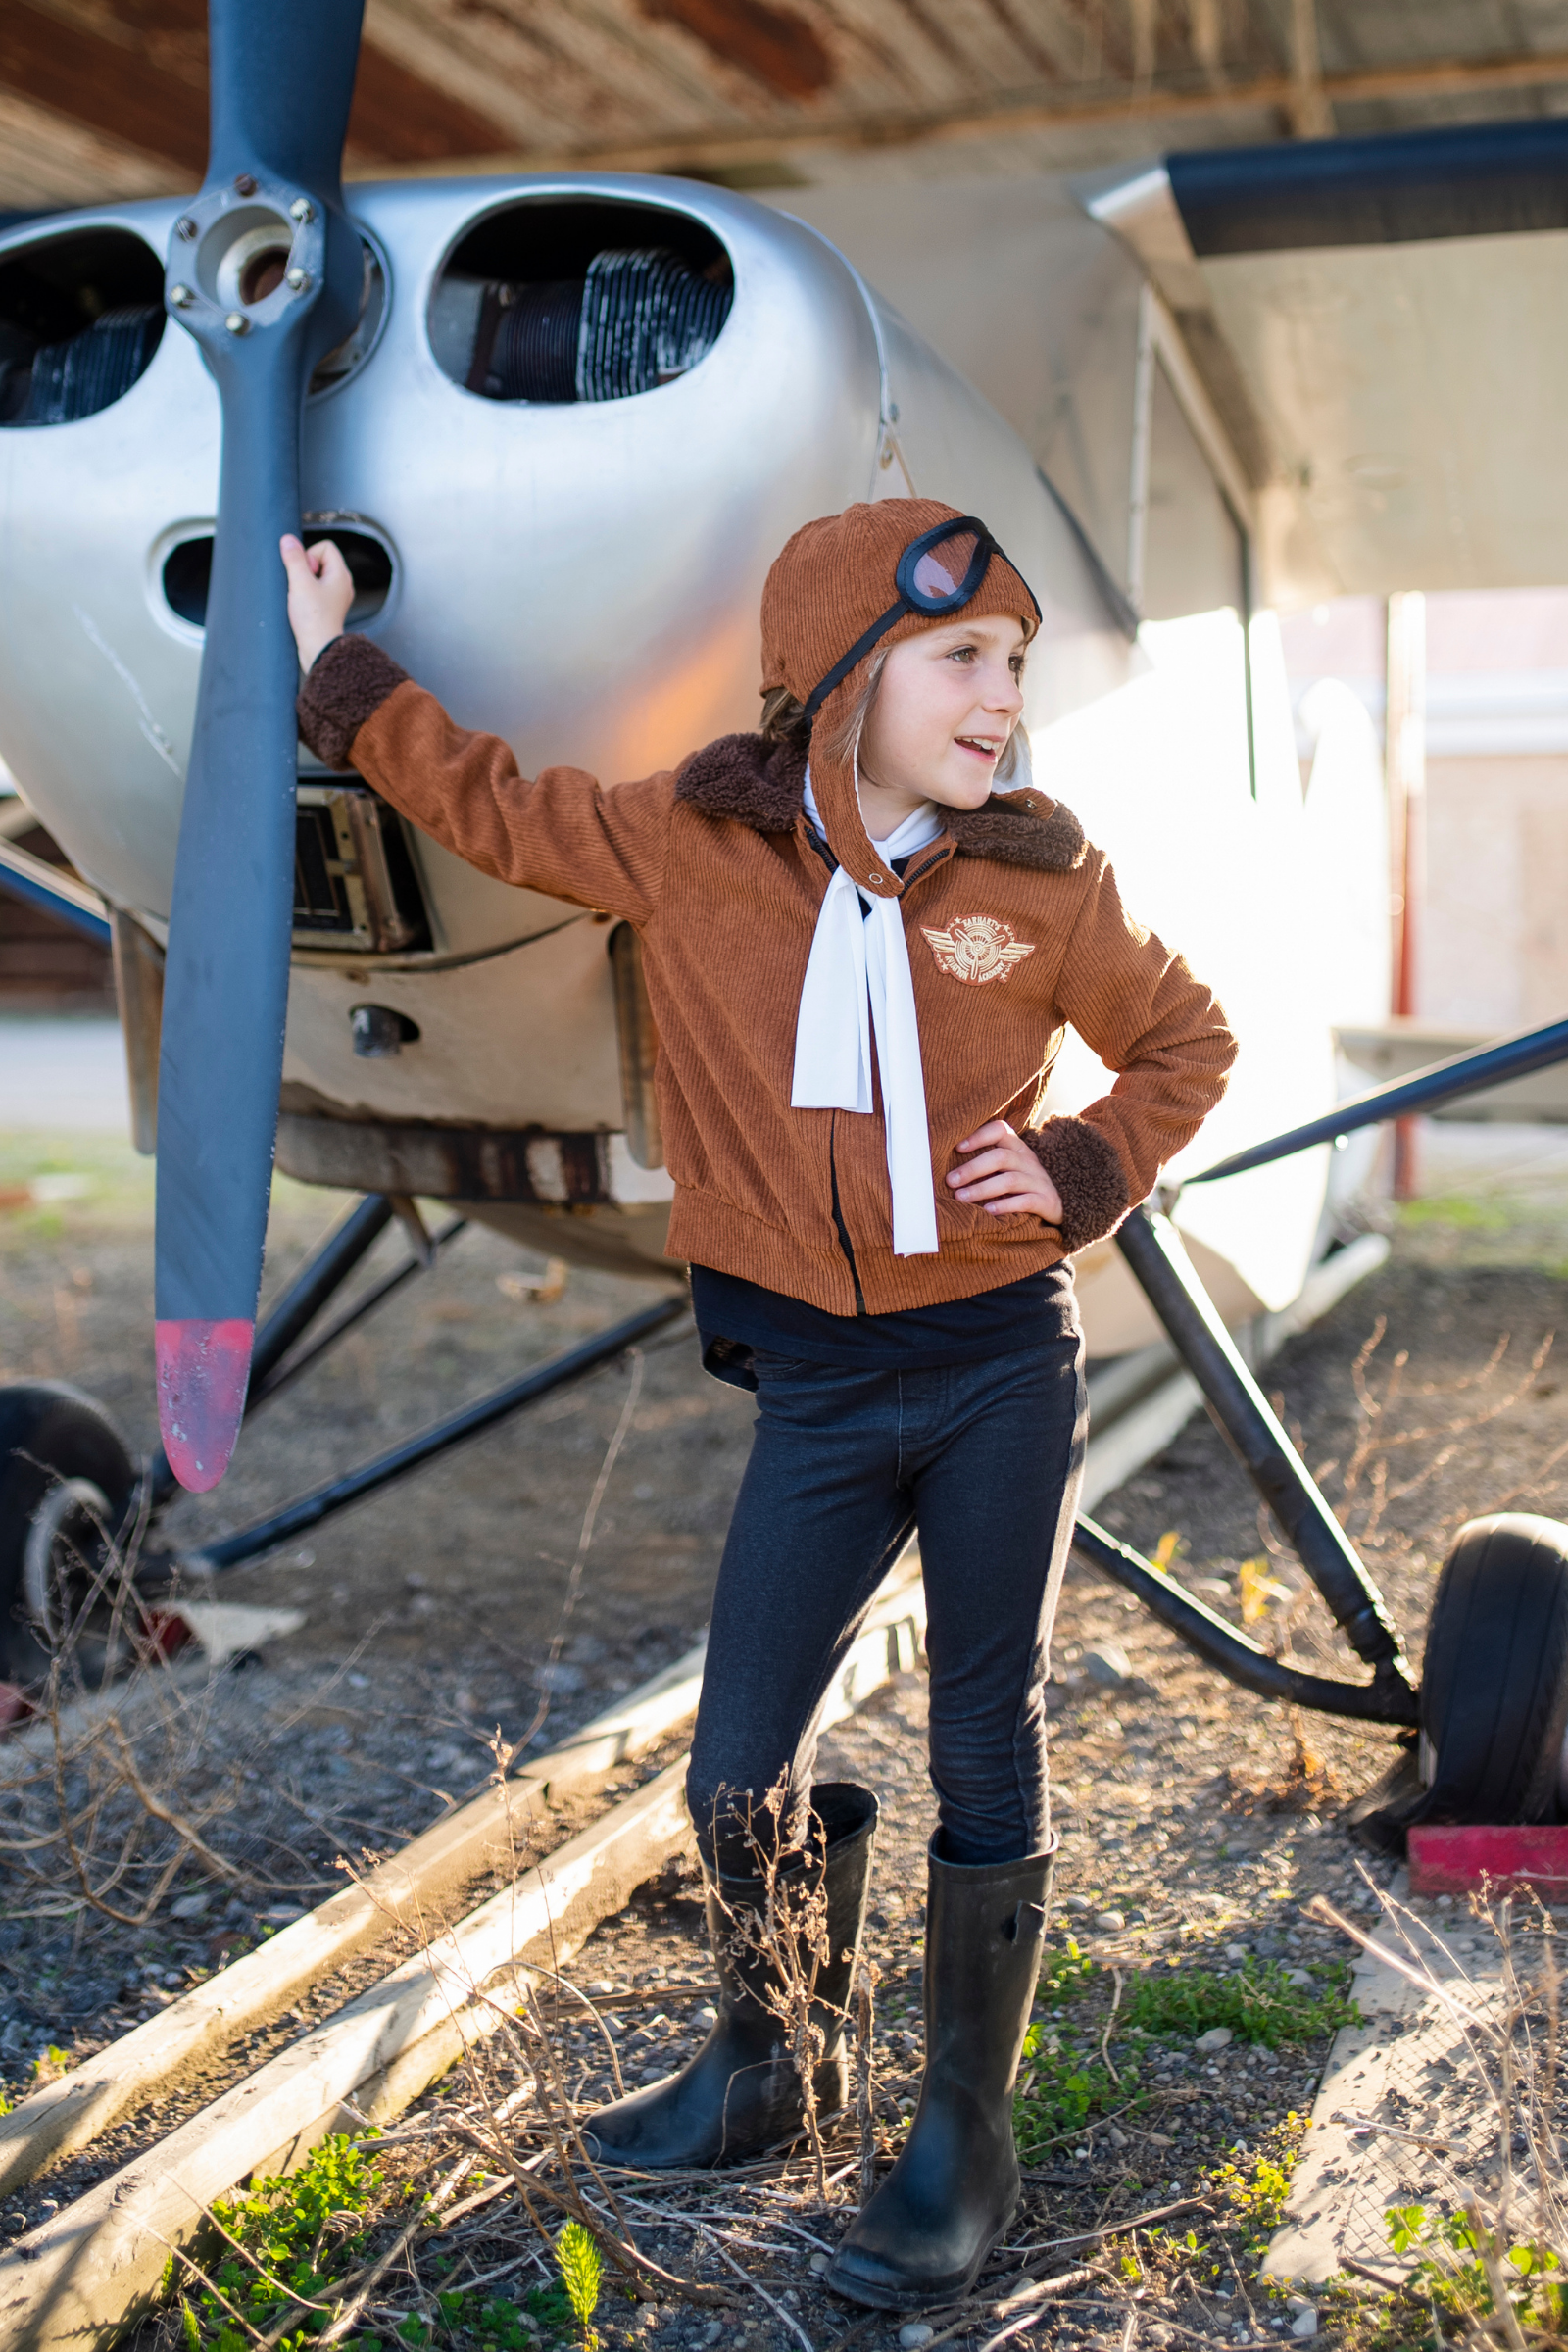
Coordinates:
(1005,1178)
(321,591)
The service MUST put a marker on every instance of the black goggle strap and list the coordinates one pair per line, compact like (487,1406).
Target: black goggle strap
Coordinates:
(856,653)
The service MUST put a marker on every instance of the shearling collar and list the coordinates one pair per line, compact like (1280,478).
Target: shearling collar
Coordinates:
(758,783)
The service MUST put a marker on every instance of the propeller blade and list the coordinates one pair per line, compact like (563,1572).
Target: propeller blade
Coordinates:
(265,271)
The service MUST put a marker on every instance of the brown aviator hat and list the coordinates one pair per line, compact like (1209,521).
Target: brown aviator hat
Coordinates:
(845,587)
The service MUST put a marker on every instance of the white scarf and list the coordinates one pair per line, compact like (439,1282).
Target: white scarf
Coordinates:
(859,980)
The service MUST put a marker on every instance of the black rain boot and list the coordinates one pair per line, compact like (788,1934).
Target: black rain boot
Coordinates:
(741,2091)
(925,2234)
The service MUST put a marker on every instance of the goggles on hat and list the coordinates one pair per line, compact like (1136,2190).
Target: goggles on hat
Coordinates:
(939,572)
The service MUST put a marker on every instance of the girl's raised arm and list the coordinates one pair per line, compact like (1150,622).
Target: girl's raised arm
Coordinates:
(561,832)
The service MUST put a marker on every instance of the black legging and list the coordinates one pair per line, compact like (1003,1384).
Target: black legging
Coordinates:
(983,1459)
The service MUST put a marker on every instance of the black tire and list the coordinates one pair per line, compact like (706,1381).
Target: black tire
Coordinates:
(49,1432)
(1494,1685)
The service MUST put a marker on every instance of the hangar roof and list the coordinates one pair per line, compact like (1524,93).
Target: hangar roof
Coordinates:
(102,98)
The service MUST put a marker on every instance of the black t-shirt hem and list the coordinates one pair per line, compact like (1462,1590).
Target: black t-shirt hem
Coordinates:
(736,1319)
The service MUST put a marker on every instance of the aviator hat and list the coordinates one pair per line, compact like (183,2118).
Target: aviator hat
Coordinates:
(844,579)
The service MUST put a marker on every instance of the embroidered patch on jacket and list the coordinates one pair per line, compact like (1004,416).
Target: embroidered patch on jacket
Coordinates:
(978,948)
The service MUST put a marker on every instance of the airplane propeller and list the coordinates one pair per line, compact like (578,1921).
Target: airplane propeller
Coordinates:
(266,272)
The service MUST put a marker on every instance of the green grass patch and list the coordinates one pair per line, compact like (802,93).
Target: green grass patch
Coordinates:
(1460,1212)
(1256,2001)
(1066,2078)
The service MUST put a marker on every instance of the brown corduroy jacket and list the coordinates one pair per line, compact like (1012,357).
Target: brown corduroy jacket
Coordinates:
(1015,928)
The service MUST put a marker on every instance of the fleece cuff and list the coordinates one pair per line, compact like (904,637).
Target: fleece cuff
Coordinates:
(347,684)
(1087,1171)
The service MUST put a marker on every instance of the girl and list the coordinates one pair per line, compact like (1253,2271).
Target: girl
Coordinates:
(864,930)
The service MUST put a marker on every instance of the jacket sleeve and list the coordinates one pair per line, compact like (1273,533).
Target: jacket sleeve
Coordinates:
(559,832)
(1141,1010)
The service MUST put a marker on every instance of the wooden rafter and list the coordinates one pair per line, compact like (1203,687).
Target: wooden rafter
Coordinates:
(98,96)
(1036,110)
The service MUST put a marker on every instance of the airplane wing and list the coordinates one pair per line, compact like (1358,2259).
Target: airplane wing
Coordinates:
(1382,320)
(1335,360)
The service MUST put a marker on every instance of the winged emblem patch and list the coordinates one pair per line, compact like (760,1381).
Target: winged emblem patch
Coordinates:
(978,948)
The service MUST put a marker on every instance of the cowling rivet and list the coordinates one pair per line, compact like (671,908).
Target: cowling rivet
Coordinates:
(237,323)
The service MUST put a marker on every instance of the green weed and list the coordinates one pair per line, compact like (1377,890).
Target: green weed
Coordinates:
(1449,2270)
(1063,2081)
(1246,2196)
(1255,2001)
(495,2325)
(293,2233)
(1256,2187)
(581,2269)
(1064,1975)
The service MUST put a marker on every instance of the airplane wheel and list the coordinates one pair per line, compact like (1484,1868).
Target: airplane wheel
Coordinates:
(66,1477)
(1494,1684)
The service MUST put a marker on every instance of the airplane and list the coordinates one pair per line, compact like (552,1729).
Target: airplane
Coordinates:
(560,423)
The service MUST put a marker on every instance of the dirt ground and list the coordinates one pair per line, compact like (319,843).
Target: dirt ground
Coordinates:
(1197,1823)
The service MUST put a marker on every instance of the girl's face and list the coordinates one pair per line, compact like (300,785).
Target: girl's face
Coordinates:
(947,702)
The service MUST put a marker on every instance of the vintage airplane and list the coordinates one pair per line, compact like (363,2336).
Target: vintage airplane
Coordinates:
(561,424)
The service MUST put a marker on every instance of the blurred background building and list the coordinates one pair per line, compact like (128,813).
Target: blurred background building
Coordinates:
(1491,951)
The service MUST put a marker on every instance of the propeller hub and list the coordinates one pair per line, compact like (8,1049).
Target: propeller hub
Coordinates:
(258,264)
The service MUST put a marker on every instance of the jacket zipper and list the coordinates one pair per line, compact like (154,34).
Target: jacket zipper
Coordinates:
(838,1218)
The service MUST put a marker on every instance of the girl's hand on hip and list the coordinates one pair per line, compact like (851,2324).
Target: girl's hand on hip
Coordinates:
(321,591)
(1005,1178)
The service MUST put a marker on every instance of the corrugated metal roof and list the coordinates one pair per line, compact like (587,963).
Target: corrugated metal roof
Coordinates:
(107,97)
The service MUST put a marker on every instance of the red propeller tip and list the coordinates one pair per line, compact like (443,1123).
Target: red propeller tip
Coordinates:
(204,1372)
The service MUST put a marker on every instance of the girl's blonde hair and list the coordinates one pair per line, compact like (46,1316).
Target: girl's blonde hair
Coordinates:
(784,718)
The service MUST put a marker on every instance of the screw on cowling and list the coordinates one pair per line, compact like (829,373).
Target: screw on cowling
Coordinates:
(185,228)
(244,184)
(181,297)
(302,209)
(297,278)
(237,323)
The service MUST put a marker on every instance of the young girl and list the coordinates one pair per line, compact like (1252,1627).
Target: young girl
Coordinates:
(863,931)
